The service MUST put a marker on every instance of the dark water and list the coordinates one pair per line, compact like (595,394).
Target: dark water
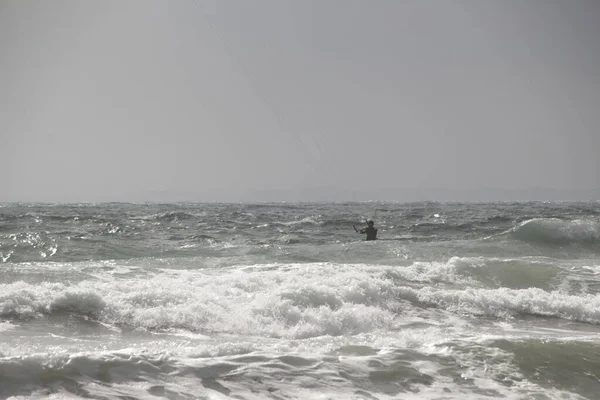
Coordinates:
(454,301)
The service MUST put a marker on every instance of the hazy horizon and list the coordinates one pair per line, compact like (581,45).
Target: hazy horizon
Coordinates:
(319,195)
(299,100)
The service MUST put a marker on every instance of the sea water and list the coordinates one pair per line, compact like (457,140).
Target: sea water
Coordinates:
(287,301)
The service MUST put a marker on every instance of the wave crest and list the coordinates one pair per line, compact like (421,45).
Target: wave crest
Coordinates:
(552,231)
(507,303)
(81,303)
(24,301)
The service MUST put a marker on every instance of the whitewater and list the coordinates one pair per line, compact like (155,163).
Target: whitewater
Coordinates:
(287,301)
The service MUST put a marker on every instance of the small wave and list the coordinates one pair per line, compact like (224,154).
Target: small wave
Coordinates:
(427,225)
(452,271)
(173,216)
(23,301)
(553,231)
(499,219)
(201,236)
(508,303)
(442,227)
(69,218)
(290,239)
(25,246)
(83,303)
(307,220)
(42,374)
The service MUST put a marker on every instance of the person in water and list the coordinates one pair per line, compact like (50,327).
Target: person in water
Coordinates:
(370,230)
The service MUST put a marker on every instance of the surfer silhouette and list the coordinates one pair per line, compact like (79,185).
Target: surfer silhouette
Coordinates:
(370,230)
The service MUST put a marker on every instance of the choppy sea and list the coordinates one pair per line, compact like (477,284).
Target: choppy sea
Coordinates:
(287,301)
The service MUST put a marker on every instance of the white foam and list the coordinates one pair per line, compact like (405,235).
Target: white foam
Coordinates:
(505,303)
(288,300)
(27,300)
(273,300)
(293,300)
(5,326)
(429,271)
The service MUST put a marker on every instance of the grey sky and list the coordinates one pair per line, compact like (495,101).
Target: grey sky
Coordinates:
(284,100)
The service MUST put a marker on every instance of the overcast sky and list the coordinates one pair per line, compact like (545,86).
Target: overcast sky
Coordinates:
(299,100)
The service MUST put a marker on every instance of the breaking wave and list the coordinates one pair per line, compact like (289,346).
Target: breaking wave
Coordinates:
(553,231)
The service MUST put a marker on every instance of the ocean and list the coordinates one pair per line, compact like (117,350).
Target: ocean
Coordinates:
(287,301)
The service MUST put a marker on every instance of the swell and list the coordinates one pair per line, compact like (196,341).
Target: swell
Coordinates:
(554,231)
(174,216)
